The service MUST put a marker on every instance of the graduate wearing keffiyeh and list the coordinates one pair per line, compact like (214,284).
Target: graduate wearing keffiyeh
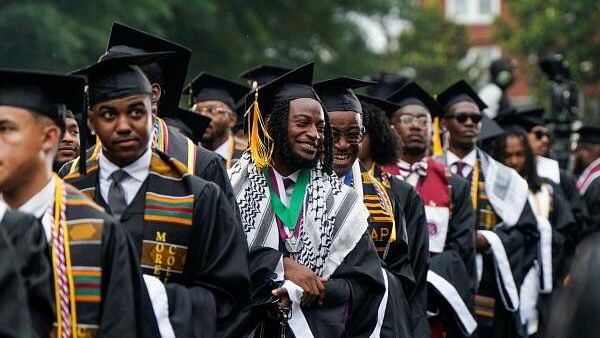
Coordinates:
(300,220)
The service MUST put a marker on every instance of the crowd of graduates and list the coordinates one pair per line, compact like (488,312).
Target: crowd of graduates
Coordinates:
(284,207)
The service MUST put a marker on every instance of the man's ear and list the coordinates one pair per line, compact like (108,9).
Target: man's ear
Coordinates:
(51,137)
(90,124)
(232,119)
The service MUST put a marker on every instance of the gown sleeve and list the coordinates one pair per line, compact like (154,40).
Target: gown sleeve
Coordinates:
(418,253)
(216,295)
(15,320)
(592,202)
(124,297)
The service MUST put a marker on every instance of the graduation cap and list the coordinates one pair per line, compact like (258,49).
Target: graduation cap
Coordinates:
(337,95)
(413,94)
(387,83)
(240,111)
(206,86)
(118,77)
(126,40)
(46,94)
(589,135)
(263,74)
(458,92)
(489,129)
(292,85)
(191,124)
(388,107)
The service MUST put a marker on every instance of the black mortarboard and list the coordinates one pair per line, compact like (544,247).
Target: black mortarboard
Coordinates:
(387,83)
(206,86)
(260,102)
(458,92)
(527,119)
(589,135)
(190,124)
(118,77)
(292,85)
(388,107)
(264,74)
(412,93)
(489,129)
(337,95)
(125,40)
(534,115)
(46,94)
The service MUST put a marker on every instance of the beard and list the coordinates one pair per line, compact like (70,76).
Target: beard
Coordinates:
(290,157)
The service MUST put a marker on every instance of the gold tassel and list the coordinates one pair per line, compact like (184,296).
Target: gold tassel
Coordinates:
(261,149)
(437,141)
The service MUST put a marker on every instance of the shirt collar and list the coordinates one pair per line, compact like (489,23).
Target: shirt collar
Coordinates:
(138,170)
(293,176)
(470,159)
(40,202)
(223,149)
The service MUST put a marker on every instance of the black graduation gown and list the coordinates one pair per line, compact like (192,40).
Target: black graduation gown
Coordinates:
(575,313)
(415,276)
(15,311)
(591,197)
(212,291)
(29,242)
(354,290)
(456,263)
(564,236)
(568,185)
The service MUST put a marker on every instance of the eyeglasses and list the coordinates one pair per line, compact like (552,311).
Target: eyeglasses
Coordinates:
(211,111)
(462,118)
(409,120)
(353,136)
(539,134)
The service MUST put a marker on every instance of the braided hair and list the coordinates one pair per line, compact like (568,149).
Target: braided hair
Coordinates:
(278,126)
(384,142)
(530,170)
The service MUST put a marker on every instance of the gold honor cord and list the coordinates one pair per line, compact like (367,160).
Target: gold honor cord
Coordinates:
(230,150)
(475,185)
(61,237)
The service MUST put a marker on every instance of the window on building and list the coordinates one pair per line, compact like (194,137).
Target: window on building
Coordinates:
(472,12)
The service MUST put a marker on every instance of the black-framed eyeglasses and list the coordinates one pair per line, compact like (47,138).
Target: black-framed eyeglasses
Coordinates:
(353,136)
(409,120)
(463,117)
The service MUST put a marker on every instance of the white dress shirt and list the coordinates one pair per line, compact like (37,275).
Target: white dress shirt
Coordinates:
(40,204)
(285,195)
(468,160)
(138,172)
(223,149)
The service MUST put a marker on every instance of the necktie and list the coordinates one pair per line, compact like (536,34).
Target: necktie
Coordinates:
(459,168)
(287,183)
(116,195)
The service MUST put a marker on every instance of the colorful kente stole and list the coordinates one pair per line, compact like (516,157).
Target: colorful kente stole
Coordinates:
(168,211)
(76,250)
(382,224)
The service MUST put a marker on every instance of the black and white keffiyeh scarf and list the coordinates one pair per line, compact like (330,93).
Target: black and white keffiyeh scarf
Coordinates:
(334,221)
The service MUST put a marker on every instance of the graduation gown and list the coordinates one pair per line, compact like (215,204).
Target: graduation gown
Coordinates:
(16,311)
(406,262)
(496,307)
(355,286)
(186,235)
(588,185)
(450,223)
(31,246)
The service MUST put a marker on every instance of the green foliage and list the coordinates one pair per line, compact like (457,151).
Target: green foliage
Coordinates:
(570,27)
(227,37)
(433,47)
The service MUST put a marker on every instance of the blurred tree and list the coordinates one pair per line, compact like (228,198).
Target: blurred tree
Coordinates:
(430,49)
(570,27)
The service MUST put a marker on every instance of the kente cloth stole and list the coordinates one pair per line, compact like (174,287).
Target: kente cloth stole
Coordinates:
(381,213)
(84,230)
(168,216)
(177,146)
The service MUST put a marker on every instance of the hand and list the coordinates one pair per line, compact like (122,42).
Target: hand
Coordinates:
(284,299)
(312,285)
(481,243)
